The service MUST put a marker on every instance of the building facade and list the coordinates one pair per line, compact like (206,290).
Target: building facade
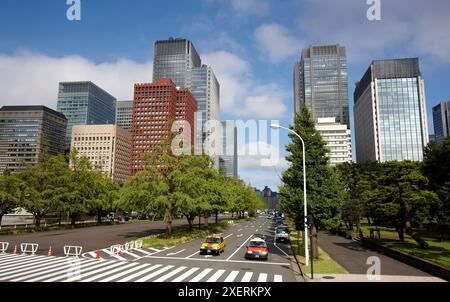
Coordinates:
(270,198)
(321,83)
(26,131)
(441,121)
(124,115)
(228,161)
(108,148)
(155,108)
(390,112)
(338,139)
(84,103)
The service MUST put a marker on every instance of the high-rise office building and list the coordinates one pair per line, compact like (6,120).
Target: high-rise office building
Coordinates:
(178,60)
(26,131)
(390,112)
(228,161)
(155,107)
(441,121)
(108,148)
(84,103)
(321,82)
(338,139)
(124,114)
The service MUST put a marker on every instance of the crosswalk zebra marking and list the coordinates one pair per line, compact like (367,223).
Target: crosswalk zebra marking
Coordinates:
(136,275)
(16,260)
(95,271)
(278,278)
(171,274)
(109,272)
(201,275)
(247,277)
(26,271)
(84,269)
(132,255)
(23,265)
(186,274)
(126,272)
(262,277)
(142,251)
(112,255)
(231,276)
(216,276)
(154,274)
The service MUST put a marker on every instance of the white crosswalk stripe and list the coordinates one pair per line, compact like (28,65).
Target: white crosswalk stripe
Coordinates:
(24,268)
(107,251)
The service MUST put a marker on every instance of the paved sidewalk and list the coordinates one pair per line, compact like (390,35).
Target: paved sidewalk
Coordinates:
(364,278)
(353,258)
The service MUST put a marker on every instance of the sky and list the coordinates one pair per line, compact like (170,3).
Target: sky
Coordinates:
(250,44)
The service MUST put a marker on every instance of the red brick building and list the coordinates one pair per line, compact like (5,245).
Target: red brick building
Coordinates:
(155,107)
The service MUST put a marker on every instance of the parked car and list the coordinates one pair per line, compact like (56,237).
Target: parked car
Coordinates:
(257,249)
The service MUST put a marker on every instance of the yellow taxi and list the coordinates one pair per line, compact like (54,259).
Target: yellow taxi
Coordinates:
(213,244)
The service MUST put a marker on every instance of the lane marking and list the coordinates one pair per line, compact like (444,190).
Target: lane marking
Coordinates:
(133,255)
(83,265)
(142,251)
(94,265)
(186,274)
(197,252)
(176,253)
(247,277)
(239,236)
(278,278)
(216,276)
(22,260)
(240,247)
(38,268)
(109,272)
(156,250)
(217,260)
(171,274)
(262,277)
(152,268)
(154,274)
(116,276)
(112,255)
(231,276)
(201,275)
(95,271)
(228,236)
(23,267)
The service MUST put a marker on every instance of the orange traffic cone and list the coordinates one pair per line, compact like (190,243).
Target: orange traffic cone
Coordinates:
(49,251)
(97,254)
(15,250)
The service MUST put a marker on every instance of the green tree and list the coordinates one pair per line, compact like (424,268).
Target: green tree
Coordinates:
(10,186)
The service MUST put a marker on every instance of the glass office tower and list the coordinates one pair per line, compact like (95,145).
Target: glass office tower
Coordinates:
(26,131)
(390,112)
(84,103)
(124,115)
(441,121)
(321,82)
(228,161)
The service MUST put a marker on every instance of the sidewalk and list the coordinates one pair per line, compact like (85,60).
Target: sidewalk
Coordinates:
(353,258)
(364,278)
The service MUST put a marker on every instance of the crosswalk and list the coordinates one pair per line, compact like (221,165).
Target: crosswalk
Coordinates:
(125,255)
(32,268)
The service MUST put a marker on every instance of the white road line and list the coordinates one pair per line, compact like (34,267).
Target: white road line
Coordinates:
(227,236)
(64,275)
(43,269)
(278,278)
(231,276)
(262,277)
(107,251)
(240,247)
(247,277)
(239,236)
(186,274)
(132,255)
(201,275)
(83,265)
(156,250)
(109,272)
(171,274)
(93,254)
(7,257)
(142,251)
(176,253)
(22,260)
(116,276)
(131,277)
(239,230)
(197,252)
(23,267)
(154,274)
(95,271)
(216,276)
(221,260)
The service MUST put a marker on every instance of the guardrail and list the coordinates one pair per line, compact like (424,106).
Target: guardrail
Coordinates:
(29,248)
(138,244)
(115,249)
(72,251)
(3,247)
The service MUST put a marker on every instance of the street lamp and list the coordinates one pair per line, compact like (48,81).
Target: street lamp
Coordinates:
(276,127)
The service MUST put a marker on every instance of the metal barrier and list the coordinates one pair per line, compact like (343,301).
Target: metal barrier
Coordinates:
(115,249)
(3,247)
(72,251)
(138,244)
(29,248)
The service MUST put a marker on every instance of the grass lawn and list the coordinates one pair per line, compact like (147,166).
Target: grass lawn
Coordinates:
(183,235)
(438,252)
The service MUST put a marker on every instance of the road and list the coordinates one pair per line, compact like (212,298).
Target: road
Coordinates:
(174,264)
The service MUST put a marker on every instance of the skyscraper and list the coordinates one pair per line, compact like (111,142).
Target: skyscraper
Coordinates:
(390,112)
(26,131)
(84,103)
(228,161)
(338,139)
(178,60)
(441,121)
(321,82)
(124,114)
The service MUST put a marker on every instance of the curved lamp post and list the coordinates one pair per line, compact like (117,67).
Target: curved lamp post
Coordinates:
(276,126)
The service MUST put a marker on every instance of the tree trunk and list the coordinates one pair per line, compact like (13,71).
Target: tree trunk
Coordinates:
(368,220)
(401,233)
(190,223)
(206,220)
(73,219)
(314,241)
(99,217)
(37,220)
(423,244)
(59,219)
(303,238)
(1,218)
(358,225)
(169,229)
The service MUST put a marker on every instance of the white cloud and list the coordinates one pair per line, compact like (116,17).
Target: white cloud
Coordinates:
(276,42)
(257,155)
(251,7)
(27,78)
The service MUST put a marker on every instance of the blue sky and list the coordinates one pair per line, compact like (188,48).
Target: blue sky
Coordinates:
(251,44)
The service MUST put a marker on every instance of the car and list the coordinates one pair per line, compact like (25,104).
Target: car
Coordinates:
(213,244)
(257,249)
(282,234)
